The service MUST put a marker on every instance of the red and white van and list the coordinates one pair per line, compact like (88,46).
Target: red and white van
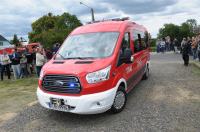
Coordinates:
(96,67)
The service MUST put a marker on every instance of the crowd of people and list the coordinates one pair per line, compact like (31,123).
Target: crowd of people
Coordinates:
(187,47)
(166,44)
(25,63)
(190,47)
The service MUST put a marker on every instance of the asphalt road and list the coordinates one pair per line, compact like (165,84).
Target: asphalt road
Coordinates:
(168,101)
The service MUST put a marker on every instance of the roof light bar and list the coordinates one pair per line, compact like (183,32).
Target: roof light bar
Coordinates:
(113,19)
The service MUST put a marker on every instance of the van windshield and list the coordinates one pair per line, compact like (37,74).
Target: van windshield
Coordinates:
(90,45)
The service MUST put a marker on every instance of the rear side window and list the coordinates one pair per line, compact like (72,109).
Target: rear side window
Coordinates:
(147,38)
(137,41)
(140,40)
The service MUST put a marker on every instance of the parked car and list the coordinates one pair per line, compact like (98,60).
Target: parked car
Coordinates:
(95,68)
(21,49)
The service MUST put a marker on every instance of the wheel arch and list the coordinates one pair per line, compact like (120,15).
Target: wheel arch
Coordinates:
(122,82)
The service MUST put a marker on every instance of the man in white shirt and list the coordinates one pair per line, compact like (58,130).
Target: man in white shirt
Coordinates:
(40,60)
(5,64)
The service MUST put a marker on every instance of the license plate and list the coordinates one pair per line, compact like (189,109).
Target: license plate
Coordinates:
(58,104)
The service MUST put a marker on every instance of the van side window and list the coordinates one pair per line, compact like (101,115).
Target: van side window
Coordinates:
(124,45)
(140,41)
(143,43)
(147,39)
(126,41)
(137,41)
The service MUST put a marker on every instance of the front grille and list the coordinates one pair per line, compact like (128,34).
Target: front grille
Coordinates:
(61,84)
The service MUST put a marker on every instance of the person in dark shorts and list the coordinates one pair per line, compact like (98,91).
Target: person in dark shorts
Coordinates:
(185,52)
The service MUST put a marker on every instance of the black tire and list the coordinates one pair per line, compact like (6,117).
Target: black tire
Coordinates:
(120,92)
(146,74)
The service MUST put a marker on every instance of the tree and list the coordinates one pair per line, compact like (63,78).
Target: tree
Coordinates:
(15,41)
(185,30)
(198,29)
(51,29)
(188,28)
(171,30)
(192,25)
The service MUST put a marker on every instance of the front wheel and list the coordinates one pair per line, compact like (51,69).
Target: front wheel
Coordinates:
(119,101)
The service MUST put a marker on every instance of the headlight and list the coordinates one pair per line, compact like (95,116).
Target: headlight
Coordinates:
(98,76)
(41,75)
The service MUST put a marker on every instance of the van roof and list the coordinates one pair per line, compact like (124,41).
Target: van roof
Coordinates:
(106,26)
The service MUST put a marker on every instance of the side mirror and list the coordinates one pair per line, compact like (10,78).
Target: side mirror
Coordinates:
(127,56)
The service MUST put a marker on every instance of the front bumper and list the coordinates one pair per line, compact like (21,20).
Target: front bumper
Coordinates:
(85,104)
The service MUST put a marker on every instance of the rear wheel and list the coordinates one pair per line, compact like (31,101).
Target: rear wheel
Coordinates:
(146,74)
(119,101)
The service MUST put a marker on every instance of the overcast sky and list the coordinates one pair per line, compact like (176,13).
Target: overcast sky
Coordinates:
(16,16)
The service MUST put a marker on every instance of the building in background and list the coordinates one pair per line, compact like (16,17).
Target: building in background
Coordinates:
(4,43)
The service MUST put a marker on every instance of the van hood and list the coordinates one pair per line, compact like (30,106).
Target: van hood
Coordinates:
(76,66)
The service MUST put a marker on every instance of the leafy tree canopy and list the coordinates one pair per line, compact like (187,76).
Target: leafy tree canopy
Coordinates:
(192,23)
(51,29)
(188,28)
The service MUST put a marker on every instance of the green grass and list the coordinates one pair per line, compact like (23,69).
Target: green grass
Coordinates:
(16,94)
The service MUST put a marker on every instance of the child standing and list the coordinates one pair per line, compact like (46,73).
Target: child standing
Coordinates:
(23,66)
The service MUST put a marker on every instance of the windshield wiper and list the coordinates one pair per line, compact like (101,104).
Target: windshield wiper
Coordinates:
(61,56)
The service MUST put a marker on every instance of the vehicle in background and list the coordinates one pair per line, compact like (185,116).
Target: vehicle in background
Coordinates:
(30,47)
(21,49)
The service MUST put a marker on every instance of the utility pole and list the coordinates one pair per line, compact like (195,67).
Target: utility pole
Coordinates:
(91,10)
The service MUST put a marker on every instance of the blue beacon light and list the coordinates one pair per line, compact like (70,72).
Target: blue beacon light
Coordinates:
(71,85)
